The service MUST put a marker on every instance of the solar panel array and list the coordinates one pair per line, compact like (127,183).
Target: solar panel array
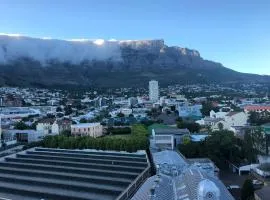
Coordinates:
(55,174)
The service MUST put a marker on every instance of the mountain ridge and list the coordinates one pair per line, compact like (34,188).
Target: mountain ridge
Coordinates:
(26,61)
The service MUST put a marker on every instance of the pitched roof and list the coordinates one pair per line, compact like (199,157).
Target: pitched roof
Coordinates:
(64,121)
(164,191)
(193,181)
(187,186)
(47,121)
(232,113)
(257,107)
(169,157)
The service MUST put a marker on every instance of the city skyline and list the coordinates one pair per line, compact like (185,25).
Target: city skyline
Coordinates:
(235,34)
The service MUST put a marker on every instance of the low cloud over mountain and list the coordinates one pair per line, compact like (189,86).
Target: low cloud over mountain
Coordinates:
(26,61)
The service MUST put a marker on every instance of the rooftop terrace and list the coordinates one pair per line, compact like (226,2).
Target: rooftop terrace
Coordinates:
(57,174)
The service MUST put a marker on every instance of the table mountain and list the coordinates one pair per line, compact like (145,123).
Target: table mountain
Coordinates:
(26,61)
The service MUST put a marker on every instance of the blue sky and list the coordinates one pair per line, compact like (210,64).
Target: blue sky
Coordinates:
(235,33)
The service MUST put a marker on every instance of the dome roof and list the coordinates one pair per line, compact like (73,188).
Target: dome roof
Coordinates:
(207,190)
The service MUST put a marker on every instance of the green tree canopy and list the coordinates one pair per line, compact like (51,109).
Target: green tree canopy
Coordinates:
(21,126)
(83,120)
(207,107)
(191,126)
(58,109)
(138,140)
(120,115)
(220,147)
(247,191)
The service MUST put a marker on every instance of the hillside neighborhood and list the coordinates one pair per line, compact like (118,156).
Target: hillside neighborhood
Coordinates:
(194,137)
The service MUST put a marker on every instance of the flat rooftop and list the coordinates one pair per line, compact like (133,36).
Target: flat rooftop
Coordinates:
(84,125)
(58,174)
(171,131)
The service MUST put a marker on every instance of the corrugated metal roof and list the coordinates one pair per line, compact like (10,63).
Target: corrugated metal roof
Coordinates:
(190,182)
(163,189)
(169,157)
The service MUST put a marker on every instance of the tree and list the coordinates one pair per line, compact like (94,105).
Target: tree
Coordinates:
(207,107)
(247,191)
(220,126)
(120,115)
(21,126)
(66,133)
(83,120)
(256,118)
(258,140)
(138,140)
(179,119)
(173,108)
(68,110)
(154,113)
(191,126)
(220,147)
(186,139)
(58,109)
(49,115)
(60,115)
(168,112)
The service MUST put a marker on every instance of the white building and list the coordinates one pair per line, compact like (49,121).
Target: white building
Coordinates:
(219,114)
(87,129)
(153,91)
(22,136)
(193,111)
(225,119)
(236,118)
(48,127)
(126,111)
(168,138)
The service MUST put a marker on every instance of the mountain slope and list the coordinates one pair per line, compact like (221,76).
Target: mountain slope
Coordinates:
(26,61)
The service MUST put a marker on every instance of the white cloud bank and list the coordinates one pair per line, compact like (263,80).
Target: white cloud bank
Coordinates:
(13,46)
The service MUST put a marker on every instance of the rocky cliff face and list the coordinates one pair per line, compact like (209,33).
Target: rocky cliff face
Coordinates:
(129,54)
(26,61)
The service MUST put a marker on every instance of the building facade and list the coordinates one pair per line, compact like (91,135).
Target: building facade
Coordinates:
(153,91)
(47,127)
(87,129)
(192,111)
(168,138)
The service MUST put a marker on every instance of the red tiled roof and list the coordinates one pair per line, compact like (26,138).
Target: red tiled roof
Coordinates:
(256,107)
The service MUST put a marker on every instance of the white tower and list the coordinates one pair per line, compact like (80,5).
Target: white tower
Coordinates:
(153,91)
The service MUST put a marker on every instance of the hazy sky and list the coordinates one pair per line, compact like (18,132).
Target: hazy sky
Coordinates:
(233,32)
